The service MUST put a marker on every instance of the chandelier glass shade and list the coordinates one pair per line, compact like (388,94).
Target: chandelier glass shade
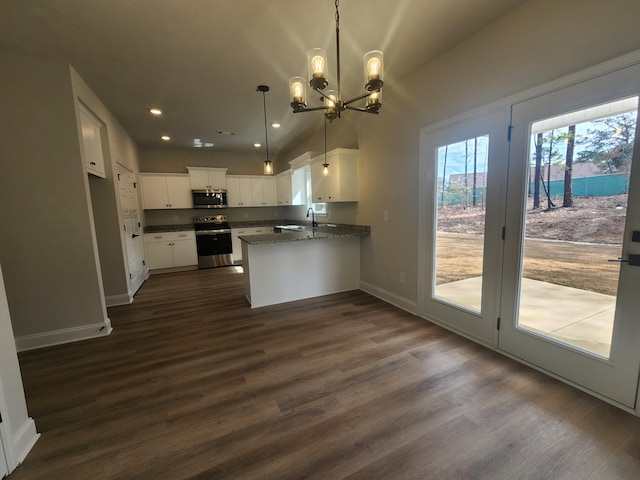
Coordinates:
(317,80)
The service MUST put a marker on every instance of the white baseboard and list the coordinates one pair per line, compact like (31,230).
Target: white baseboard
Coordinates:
(122,299)
(23,441)
(65,335)
(392,298)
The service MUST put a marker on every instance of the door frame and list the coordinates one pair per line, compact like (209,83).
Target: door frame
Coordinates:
(145,271)
(612,65)
(607,376)
(478,326)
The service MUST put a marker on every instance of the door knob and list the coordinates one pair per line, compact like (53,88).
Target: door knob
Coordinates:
(133,235)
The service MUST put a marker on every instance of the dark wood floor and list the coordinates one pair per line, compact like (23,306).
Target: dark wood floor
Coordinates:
(193,384)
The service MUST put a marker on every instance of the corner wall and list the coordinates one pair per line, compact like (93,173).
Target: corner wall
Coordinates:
(47,246)
(537,42)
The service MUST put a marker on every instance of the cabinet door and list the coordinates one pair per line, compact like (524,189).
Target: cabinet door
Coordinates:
(208,178)
(347,182)
(179,191)
(218,179)
(299,187)
(184,253)
(269,192)
(91,129)
(199,179)
(283,189)
(257,192)
(239,192)
(245,192)
(160,255)
(154,191)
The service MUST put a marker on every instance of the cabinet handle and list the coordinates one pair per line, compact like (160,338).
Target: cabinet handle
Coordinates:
(182,235)
(158,237)
(92,163)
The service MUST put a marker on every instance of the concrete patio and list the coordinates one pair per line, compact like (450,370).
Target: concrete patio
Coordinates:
(577,317)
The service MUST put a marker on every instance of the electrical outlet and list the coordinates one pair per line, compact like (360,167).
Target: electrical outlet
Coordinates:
(402,277)
(175,218)
(386,215)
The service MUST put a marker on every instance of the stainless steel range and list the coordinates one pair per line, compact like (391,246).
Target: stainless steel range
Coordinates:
(213,241)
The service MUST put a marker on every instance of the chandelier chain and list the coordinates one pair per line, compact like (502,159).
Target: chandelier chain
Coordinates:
(337,14)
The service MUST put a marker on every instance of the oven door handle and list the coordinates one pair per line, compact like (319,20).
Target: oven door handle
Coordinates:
(212,232)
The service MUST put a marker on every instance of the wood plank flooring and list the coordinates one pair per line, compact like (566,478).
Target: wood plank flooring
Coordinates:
(193,384)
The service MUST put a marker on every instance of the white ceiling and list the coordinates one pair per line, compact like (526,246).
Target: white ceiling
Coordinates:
(201,60)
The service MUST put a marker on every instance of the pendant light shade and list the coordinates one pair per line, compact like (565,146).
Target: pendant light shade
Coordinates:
(298,92)
(268,166)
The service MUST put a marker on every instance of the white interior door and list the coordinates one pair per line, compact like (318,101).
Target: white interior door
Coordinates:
(462,178)
(132,229)
(566,307)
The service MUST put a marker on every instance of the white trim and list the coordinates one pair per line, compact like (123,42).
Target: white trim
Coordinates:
(23,441)
(16,446)
(392,298)
(122,299)
(302,160)
(65,335)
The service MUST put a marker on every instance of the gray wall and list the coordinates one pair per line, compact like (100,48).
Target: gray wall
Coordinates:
(47,250)
(537,42)
(176,160)
(104,192)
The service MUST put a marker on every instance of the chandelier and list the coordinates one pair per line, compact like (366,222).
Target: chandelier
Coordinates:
(333,103)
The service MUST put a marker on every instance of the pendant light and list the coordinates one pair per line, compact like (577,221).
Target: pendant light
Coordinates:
(325,165)
(268,166)
(317,80)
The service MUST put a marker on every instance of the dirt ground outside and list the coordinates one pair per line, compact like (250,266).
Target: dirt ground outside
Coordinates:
(565,246)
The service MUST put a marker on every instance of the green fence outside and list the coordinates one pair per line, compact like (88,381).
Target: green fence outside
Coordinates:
(597,186)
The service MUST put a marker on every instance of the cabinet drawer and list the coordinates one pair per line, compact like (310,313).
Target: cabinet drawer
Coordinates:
(169,236)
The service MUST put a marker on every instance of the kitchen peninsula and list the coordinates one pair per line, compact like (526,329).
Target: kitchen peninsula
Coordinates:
(301,262)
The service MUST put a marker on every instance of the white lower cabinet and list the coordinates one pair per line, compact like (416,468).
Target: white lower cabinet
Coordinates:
(171,249)
(236,243)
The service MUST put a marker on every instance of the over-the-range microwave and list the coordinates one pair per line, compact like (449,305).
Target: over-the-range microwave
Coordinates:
(209,198)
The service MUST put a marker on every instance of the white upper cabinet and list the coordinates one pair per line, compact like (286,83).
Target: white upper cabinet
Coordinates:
(239,191)
(263,191)
(91,141)
(162,191)
(341,184)
(251,191)
(284,191)
(291,188)
(204,178)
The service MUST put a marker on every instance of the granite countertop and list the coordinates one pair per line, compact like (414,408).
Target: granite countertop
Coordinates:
(168,228)
(293,233)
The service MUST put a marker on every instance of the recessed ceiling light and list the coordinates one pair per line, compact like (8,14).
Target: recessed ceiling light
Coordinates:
(257,145)
(275,125)
(166,138)
(155,111)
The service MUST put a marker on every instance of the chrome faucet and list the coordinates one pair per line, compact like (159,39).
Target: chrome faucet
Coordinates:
(313,217)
